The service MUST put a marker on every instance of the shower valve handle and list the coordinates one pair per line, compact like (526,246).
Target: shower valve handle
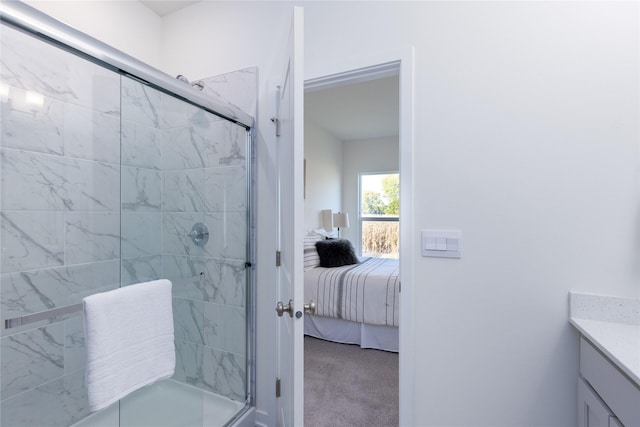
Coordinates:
(199,234)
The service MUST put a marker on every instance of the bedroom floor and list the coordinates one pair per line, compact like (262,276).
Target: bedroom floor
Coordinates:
(346,386)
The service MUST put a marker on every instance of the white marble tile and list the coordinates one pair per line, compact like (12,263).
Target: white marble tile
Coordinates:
(32,181)
(58,403)
(226,189)
(176,228)
(178,268)
(31,240)
(141,269)
(225,328)
(32,358)
(202,118)
(141,234)
(174,112)
(92,186)
(91,135)
(91,236)
(225,282)
(32,127)
(212,370)
(226,144)
(87,187)
(226,372)
(141,189)
(140,103)
(36,66)
(184,273)
(189,364)
(75,352)
(227,235)
(188,318)
(183,148)
(238,88)
(38,290)
(105,92)
(183,191)
(141,145)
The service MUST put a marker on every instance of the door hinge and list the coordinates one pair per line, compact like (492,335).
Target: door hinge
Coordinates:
(277,258)
(277,387)
(276,121)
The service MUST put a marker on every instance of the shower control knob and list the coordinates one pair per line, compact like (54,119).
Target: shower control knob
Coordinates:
(199,234)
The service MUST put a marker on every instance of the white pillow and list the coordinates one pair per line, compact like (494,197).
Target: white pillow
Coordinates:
(311,257)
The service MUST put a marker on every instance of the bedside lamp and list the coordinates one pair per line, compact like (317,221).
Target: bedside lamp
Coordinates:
(327,220)
(340,219)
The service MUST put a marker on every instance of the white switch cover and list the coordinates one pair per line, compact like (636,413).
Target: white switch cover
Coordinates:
(442,243)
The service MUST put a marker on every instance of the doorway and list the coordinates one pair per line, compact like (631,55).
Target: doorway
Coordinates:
(351,129)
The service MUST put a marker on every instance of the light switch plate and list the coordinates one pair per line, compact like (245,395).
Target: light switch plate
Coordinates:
(442,243)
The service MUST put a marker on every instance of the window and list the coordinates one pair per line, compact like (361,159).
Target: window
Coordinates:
(379,214)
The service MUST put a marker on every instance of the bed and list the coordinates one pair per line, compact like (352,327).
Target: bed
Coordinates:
(356,303)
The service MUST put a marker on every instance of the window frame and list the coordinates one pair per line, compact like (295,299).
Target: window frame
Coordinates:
(362,218)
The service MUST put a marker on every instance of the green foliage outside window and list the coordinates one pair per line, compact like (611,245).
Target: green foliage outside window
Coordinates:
(385,202)
(380,197)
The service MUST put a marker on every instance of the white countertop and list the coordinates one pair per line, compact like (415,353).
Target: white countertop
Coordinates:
(620,342)
(612,324)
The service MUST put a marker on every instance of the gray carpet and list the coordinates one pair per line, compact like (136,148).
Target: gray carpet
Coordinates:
(346,386)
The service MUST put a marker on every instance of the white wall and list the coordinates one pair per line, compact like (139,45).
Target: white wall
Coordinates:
(526,133)
(128,26)
(323,154)
(526,139)
(375,155)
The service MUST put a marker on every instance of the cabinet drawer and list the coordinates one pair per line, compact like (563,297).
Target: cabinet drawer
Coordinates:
(617,391)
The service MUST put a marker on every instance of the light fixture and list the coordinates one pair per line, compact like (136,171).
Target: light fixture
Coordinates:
(340,219)
(327,220)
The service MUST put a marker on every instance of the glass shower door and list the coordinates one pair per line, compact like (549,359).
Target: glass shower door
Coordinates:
(184,218)
(108,182)
(59,222)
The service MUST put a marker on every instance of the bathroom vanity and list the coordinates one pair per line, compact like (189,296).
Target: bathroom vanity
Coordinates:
(609,383)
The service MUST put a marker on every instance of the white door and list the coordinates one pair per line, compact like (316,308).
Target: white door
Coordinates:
(290,142)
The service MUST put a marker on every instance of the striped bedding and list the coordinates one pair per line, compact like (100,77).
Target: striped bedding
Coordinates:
(366,292)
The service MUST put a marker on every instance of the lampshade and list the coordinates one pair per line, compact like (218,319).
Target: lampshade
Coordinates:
(327,220)
(341,220)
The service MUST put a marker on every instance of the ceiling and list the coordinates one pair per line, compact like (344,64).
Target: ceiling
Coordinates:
(357,111)
(164,7)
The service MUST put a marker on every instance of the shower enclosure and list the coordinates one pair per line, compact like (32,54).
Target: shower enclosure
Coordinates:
(112,174)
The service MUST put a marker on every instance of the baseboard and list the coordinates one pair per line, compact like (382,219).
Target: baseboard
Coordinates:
(262,419)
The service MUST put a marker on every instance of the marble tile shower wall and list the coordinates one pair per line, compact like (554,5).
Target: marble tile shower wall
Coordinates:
(59,220)
(202,180)
(101,182)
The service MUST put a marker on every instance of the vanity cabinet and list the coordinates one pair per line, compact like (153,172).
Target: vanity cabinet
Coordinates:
(592,411)
(606,396)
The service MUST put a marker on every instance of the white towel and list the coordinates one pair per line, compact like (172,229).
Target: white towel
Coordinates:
(129,340)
